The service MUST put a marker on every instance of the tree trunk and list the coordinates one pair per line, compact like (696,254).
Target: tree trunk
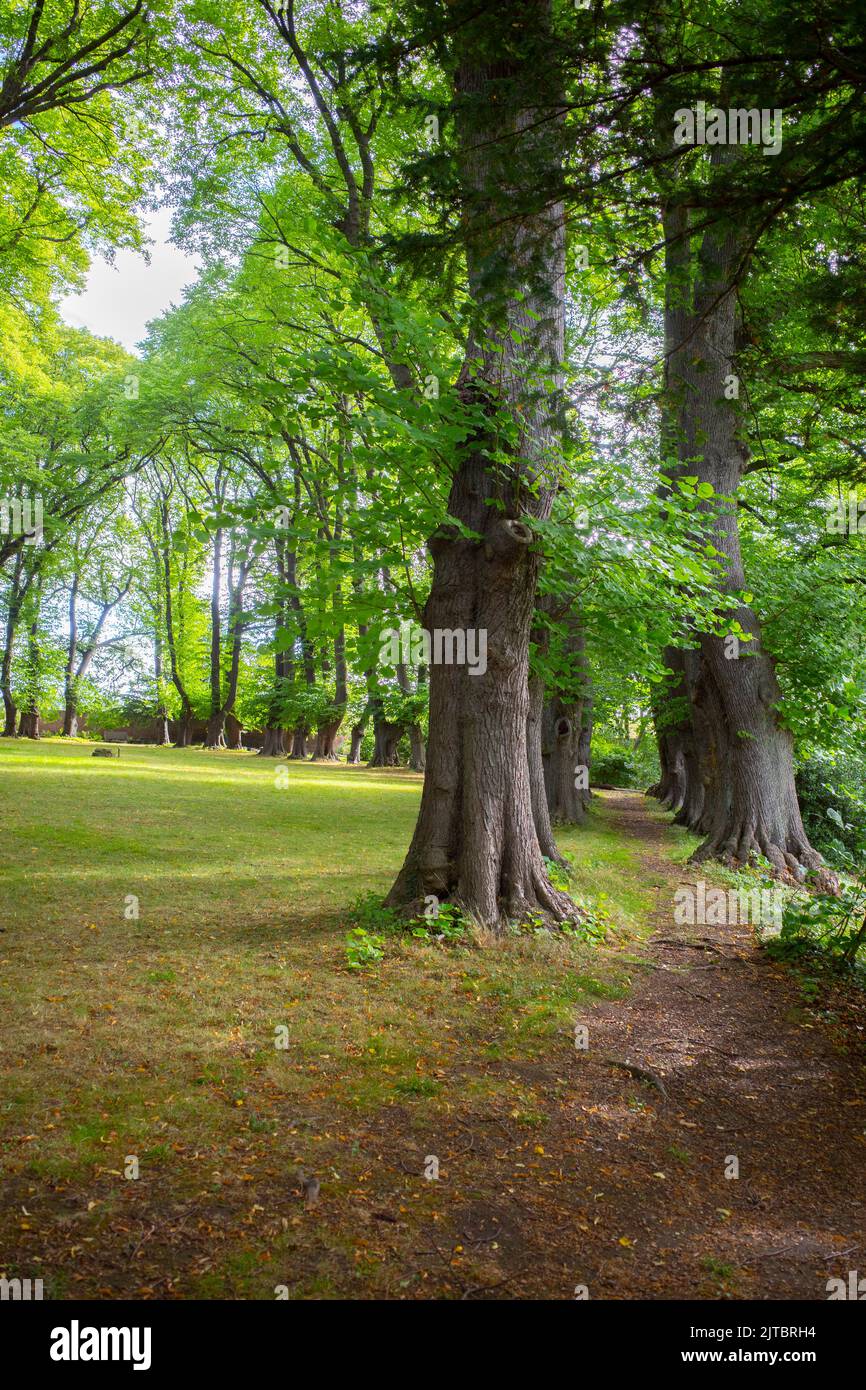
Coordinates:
(17,591)
(70,716)
(418,751)
(567,730)
(29,725)
(274,745)
(184,729)
(535,754)
(216,731)
(386,736)
(739,773)
(326,737)
(475,841)
(358,731)
(10,710)
(299,741)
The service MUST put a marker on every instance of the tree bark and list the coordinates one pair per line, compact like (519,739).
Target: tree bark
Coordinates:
(274,745)
(738,769)
(535,754)
(418,750)
(357,736)
(216,730)
(475,840)
(17,591)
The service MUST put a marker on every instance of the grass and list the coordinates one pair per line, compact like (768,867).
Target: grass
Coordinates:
(155,1035)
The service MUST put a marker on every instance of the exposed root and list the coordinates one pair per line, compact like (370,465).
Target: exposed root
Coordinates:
(791,863)
(639,1073)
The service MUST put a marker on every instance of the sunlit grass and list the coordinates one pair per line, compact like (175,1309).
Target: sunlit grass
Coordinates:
(155,1034)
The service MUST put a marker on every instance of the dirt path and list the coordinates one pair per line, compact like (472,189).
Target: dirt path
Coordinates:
(641,1206)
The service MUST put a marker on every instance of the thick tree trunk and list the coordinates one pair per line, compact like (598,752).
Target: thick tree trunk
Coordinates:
(299,741)
(70,719)
(326,736)
(10,715)
(357,737)
(475,841)
(535,755)
(29,725)
(418,750)
(567,732)
(184,729)
(680,787)
(386,737)
(216,731)
(739,772)
(274,745)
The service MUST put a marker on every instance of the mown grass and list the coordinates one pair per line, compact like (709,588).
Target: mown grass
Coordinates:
(155,1035)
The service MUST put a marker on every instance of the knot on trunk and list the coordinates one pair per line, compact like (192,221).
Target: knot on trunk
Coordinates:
(508,540)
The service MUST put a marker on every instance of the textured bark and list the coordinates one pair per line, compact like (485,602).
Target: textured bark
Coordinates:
(326,736)
(14,601)
(222,700)
(216,731)
(680,787)
(475,841)
(184,730)
(29,724)
(163,552)
(738,768)
(535,756)
(357,737)
(386,738)
(274,745)
(299,741)
(418,750)
(566,734)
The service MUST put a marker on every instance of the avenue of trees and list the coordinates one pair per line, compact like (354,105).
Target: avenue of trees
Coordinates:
(489,341)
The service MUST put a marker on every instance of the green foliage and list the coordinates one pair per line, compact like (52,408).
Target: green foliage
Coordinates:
(832,797)
(832,928)
(447,923)
(614,764)
(363,949)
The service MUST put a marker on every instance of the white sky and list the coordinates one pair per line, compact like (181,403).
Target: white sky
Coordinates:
(119,299)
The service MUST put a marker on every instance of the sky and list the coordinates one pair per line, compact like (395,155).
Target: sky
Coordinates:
(120,299)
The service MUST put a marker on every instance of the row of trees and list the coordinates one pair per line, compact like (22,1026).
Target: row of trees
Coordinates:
(479,345)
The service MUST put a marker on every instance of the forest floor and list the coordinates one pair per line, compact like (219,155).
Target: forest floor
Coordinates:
(559,1170)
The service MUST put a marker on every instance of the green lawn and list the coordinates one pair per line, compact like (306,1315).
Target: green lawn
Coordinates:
(155,1037)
